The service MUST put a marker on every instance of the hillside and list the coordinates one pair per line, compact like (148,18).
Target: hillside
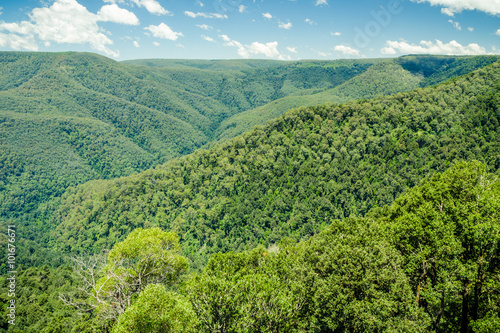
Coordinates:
(68,118)
(291,177)
(385,78)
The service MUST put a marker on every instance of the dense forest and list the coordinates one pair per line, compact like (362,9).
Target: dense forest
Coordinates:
(366,213)
(68,118)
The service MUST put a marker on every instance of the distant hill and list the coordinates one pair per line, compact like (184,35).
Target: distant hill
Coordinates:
(385,78)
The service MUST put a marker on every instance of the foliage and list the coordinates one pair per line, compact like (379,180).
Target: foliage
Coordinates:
(156,311)
(290,178)
(448,232)
(145,257)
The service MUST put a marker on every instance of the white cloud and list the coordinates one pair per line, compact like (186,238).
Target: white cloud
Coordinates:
(428,47)
(65,21)
(471,29)
(309,21)
(336,34)
(242,8)
(267,16)
(291,49)
(204,26)
(151,6)
(322,54)
(225,38)
(1,8)
(163,31)
(452,7)
(156,44)
(199,3)
(136,44)
(113,13)
(17,42)
(269,50)
(388,50)
(286,26)
(321,2)
(205,15)
(23,28)
(456,25)
(497,32)
(208,39)
(447,11)
(346,50)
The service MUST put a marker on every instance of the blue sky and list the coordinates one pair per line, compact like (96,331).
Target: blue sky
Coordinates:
(257,29)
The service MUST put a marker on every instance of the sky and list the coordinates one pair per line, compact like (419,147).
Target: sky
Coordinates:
(253,29)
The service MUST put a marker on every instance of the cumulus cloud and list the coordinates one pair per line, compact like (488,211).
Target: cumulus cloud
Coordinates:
(452,7)
(205,15)
(286,26)
(336,34)
(309,21)
(497,32)
(269,50)
(163,31)
(267,15)
(151,6)
(65,21)
(292,49)
(471,29)
(242,8)
(136,44)
(207,38)
(156,44)
(346,50)
(321,2)
(113,13)
(429,47)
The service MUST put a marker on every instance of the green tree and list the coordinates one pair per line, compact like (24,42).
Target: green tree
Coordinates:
(448,231)
(157,310)
(146,256)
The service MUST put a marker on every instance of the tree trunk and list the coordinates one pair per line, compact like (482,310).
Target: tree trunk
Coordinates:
(465,310)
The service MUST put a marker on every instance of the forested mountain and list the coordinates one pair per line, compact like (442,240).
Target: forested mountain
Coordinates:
(410,266)
(291,177)
(67,118)
(316,204)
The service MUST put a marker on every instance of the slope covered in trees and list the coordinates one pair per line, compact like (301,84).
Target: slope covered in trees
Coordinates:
(67,118)
(289,178)
(429,262)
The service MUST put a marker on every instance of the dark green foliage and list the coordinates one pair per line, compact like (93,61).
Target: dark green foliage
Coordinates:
(346,279)
(388,272)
